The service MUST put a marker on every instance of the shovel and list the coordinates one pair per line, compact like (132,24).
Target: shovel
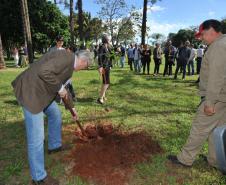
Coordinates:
(73,114)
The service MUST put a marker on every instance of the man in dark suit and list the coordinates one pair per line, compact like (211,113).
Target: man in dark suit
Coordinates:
(183,58)
(35,90)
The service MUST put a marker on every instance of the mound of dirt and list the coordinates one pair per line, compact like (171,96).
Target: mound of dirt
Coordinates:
(111,160)
(93,131)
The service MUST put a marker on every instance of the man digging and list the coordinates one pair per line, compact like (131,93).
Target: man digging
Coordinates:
(35,90)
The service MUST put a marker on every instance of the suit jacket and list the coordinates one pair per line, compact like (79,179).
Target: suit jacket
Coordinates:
(37,86)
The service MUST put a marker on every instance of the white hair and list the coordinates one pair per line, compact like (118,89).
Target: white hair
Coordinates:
(85,56)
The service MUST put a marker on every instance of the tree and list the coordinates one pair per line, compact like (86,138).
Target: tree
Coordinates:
(92,27)
(224,25)
(80,19)
(2,62)
(27,30)
(11,32)
(183,35)
(171,35)
(46,21)
(70,5)
(144,19)
(112,11)
(158,37)
(72,22)
(96,28)
(126,31)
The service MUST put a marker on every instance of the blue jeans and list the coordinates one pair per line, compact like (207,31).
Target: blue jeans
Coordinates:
(137,66)
(191,67)
(122,61)
(35,137)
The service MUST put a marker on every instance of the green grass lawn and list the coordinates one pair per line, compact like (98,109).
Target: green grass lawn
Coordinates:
(162,107)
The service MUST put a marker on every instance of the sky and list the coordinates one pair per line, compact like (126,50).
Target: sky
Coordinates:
(168,16)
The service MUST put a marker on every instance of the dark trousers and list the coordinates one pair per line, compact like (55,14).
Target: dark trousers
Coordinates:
(130,62)
(199,62)
(166,66)
(71,90)
(170,68)
(191,67)
(180,64)
(157,64)
(146,63)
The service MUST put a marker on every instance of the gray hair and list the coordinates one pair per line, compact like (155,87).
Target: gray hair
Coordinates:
(85,55)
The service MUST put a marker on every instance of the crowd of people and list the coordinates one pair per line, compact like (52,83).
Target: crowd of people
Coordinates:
(139,57)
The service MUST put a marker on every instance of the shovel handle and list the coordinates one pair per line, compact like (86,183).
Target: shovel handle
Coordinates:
(73,114)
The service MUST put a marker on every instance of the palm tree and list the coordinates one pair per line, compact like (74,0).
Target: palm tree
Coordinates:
(70,5)
(144,20)
(27,30)
(72,22)
(2,61)
(80,20)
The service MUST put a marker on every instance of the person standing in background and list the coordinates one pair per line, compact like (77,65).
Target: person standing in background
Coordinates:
(183,57)
(146,58)
(122,56)
(191,70)
(171,59)
(105,64)
(137,58)
(200,53)
(15,54)
(157,56)
(166,54)
(130,55)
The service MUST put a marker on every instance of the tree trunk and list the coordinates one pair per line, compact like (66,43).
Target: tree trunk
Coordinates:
(27,30)
(112,32)
(2,61)
(8,53)
(80,20)
(144,21)
(72,22)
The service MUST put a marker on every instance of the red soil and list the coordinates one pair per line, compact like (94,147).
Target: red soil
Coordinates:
(110,160)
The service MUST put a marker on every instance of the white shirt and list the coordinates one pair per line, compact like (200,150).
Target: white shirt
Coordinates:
(200,52)
(192,55)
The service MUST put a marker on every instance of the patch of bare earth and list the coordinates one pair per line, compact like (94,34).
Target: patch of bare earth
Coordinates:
(111,159)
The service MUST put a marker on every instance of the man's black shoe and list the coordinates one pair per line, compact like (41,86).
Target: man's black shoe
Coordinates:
(174,160)
(48,180)
(59,149)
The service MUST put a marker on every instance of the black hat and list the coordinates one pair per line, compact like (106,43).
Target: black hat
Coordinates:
(59,38)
